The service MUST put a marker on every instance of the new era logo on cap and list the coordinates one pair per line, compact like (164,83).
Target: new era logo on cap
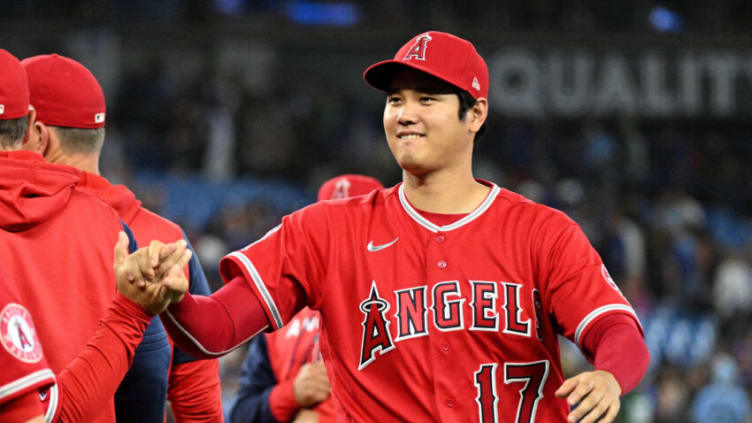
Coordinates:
(476,84)
(99,118)
(2,109)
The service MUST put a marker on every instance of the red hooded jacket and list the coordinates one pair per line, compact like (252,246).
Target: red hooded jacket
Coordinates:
(58,243)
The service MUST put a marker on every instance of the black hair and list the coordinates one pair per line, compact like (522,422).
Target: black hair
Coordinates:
(467,101)
(13,131)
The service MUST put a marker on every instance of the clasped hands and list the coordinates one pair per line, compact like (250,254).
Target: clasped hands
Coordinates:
(152,276)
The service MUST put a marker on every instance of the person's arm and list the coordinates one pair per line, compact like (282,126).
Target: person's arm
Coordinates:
(617,349)
(90,380)
(195,392)
(252,403)
(194,389)
(208,327)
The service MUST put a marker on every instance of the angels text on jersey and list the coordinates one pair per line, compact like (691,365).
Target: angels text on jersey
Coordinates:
(494,307)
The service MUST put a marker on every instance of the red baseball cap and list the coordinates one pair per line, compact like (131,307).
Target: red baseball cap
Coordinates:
(64,92)
(440,54)
(348,185)
(14,87)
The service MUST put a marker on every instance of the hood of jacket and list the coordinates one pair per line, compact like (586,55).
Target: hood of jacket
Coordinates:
(31,190)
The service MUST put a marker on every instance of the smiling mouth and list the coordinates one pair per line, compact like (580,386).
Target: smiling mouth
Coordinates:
(410,136)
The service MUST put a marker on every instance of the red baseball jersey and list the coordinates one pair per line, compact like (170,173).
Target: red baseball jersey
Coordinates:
(58,245)
(454,323)
(21,357)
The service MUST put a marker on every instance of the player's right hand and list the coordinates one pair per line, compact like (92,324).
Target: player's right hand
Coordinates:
(152,276)
(311,385)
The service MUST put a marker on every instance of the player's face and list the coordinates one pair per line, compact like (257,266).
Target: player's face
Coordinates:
(422,124)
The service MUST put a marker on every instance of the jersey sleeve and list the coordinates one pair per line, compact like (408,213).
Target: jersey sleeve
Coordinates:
(283,267)
(197,285)
(579,288)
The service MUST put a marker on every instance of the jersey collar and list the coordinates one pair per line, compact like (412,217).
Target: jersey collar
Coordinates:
(436,228)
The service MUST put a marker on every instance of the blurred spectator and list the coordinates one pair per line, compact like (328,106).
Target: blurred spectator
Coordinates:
(723,400)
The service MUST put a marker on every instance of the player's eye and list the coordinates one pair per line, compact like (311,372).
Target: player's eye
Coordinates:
(393,99)
(427,99)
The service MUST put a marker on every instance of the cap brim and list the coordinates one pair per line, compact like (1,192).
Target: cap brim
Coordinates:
(380,75)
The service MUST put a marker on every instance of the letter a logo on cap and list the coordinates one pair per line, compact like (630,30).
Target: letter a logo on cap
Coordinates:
(418,50)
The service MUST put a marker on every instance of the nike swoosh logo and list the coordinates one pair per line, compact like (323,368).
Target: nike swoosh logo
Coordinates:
(373,248)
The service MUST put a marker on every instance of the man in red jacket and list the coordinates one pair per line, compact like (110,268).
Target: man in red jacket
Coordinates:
(63,276)
(66,97)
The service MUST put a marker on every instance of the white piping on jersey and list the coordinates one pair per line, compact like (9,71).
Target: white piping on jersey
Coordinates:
(597,312)
(201,346)
(52,408)
(260,285)
(21,383)
(436,228)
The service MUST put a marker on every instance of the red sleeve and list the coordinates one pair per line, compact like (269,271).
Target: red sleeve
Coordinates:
(579,289)
(22,408)
(616,343)
(194,392)
(91,379)
(207,327)
(282,401)
(286,266)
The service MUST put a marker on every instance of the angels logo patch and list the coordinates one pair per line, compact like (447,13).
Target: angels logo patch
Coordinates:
(418,49)
(17,334)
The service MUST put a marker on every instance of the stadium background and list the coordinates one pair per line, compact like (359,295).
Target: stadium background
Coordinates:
(631,116)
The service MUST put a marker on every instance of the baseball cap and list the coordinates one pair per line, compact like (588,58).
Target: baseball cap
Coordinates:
(348,185)
(445,56)
(64,92)
(14,88)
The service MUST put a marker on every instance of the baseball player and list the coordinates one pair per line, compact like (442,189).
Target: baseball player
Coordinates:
(56,239)
(443,296)
(284,378)
(64,94)
(30,391)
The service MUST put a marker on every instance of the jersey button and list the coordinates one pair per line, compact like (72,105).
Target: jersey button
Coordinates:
(442,264)
(444,347)
(450,402)
(440,238)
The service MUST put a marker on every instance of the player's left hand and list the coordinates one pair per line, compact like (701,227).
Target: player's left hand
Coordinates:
(596,395)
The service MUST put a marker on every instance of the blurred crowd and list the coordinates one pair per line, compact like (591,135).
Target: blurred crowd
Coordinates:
(666,202)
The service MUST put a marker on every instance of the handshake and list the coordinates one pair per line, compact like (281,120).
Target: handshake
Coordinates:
(153,276)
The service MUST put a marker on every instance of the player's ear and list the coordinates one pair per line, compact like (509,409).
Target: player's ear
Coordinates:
(45,135)
(31,139)
(478,114)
